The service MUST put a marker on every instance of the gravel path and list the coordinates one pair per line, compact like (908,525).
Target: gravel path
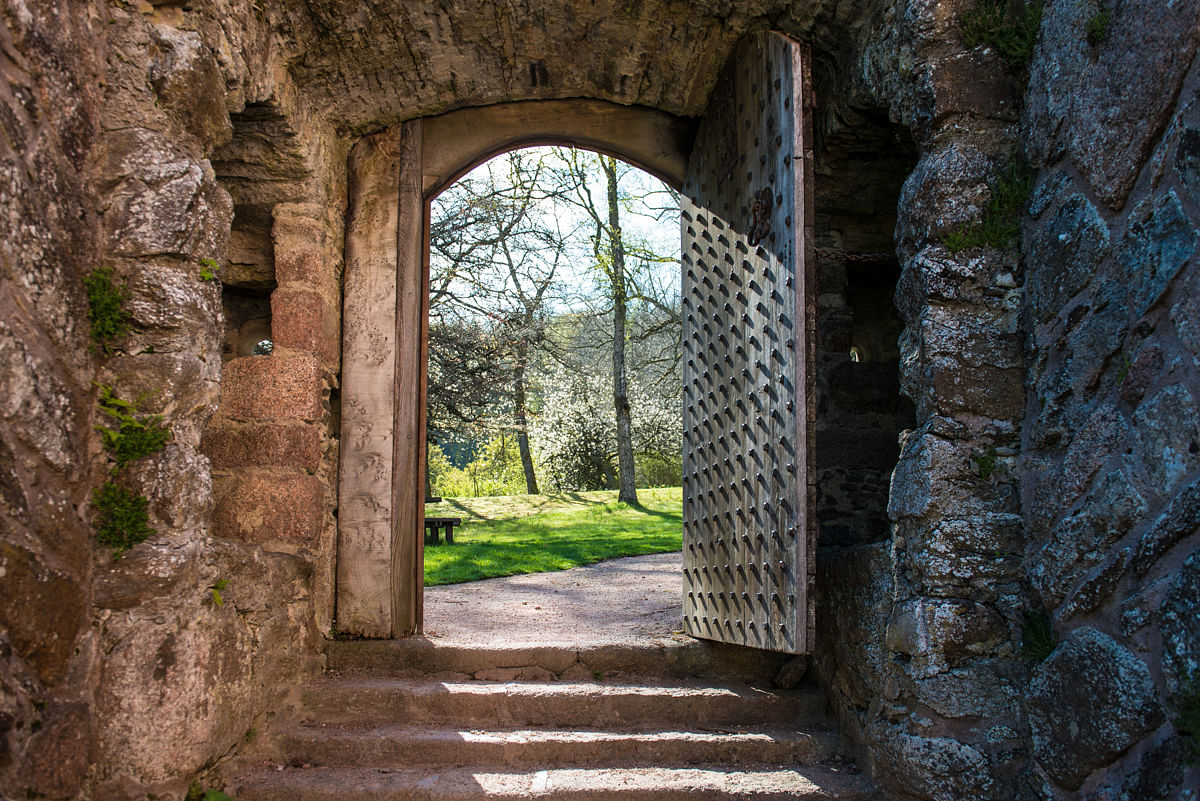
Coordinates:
(636,599)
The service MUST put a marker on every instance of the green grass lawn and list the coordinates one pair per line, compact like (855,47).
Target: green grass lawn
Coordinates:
(512,534)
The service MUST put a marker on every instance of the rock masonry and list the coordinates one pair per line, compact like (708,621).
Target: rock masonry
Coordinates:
(1024,429)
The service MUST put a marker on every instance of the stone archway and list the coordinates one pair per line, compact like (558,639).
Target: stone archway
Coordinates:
(393,176)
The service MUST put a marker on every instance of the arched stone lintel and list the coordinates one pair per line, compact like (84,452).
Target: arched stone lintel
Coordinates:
(652,140)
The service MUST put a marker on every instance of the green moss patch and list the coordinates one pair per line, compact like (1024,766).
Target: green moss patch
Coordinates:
(1010,27)
(122,517)
(1037,637)
(130,437)
(1186,704)
(106,307)
(1097,27)
(1000,224)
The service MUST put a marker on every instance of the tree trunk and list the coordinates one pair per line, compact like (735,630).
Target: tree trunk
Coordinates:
(531,486)
(627,491)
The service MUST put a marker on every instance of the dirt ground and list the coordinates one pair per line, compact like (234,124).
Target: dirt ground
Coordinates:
(622,600)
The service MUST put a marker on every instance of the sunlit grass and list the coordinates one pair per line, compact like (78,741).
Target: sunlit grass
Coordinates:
(513,534)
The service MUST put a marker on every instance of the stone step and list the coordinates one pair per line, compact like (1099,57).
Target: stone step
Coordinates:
(590,705)
(407,746)
(683,658)
(811,783)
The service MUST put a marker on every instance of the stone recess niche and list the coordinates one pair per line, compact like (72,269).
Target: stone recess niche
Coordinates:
(273,441)
(861,163)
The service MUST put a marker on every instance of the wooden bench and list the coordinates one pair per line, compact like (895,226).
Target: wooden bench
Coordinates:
(434,525)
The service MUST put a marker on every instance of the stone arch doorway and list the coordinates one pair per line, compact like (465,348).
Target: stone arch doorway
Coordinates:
(750,380)
(393,176)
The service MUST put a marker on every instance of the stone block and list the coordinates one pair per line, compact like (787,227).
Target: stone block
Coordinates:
(263,445)
(970,277)
(935,476)
(1160,773)
(12,494)
(299,266)
(983,691)
(1085,538)
(1178,520)
(1159,240)
(1187,163)
(304,320)
(170,298)
(976,558)
(934,632)
(178,687)
(278,387)
(976,337)
(1064,253)
(933,768)
(260,581)
(188,83)
(162,567)
(37,406)
(1049,185)
(169,209)
(1088,703)
(297,226)
(42,610)
(1096,588)
(1105,435)
(973,362)
(994,392)
(1101,330)
(178,482)
(1073,104)
(182,385)
(270,509)
(946,189)
(57,760)
(1185,311)
(1179,625)
(974,82)
(1142,372)
(1167,428)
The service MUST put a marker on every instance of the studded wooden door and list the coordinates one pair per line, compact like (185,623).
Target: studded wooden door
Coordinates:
(748,331)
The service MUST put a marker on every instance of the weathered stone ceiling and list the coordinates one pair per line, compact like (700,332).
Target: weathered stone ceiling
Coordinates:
(371,63)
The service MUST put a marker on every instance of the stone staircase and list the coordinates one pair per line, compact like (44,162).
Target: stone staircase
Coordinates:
(409,720)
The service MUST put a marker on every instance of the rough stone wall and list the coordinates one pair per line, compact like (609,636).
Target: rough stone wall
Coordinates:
(184,678)
(919,646)
(49,236)
(1072,492)
(1111,448)
(127,677)
(920,649)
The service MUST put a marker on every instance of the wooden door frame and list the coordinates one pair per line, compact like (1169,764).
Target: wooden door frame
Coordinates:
(393,176)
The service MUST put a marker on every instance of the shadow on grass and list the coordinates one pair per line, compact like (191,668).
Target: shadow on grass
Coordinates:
(639,506)
(470,507)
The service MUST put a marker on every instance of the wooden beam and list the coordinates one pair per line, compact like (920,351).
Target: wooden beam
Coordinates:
(365,547)
(408,485)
